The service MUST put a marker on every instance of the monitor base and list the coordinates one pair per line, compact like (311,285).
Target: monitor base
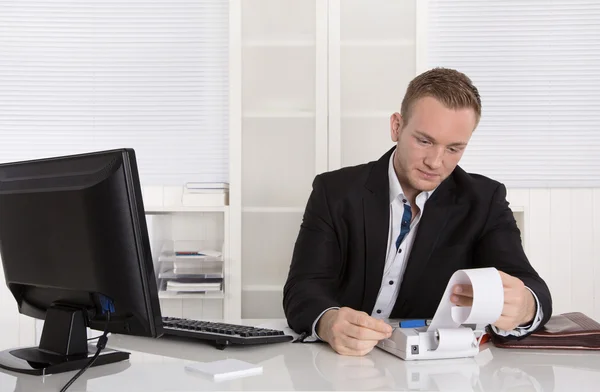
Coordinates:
(33,361)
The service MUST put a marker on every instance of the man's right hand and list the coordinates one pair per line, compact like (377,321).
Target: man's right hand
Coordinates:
(350,332)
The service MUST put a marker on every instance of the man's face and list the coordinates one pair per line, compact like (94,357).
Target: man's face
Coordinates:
(430,144)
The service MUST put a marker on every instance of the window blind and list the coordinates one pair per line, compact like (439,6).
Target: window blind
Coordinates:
(81,75)
(537,66)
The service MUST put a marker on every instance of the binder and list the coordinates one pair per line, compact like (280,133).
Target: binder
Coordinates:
(568,331)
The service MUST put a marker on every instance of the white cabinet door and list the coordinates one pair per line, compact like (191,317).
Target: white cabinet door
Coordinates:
(284,138)
(372,58)
(320,80)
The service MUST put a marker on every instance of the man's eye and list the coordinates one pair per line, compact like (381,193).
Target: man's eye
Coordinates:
(423,141)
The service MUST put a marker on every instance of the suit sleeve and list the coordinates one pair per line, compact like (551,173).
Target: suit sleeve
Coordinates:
(500,246)
(314,271)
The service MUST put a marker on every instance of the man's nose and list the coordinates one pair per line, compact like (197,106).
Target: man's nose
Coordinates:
(435,158)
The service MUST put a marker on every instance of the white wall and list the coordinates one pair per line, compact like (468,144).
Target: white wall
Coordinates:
(562,240)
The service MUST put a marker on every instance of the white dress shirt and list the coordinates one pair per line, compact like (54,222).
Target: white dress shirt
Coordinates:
(395,262)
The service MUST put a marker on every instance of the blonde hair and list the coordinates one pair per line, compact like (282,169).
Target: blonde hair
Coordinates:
(450,87)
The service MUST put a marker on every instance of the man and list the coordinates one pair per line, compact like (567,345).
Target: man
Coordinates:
(381,240)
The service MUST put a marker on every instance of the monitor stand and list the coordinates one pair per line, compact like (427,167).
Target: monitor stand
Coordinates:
(63,346)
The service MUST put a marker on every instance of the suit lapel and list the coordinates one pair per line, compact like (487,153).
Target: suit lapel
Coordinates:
(376,210)
(433,223)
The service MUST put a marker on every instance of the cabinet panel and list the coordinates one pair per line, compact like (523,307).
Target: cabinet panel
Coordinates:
(278,79)
(262,304)
(378,20)
(284,133)
(373,57)
(320,80)
(267,247)
(374,78)
(278,161)
(365,139)
(264,20)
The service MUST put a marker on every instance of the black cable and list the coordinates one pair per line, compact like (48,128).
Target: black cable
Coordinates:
(100,346)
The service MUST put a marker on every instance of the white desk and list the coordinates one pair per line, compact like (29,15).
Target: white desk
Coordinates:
(158,365)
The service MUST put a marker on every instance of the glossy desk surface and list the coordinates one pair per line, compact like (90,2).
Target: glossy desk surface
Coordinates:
(159,365)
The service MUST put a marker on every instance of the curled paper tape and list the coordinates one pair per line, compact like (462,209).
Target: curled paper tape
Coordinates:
(454,339)
(488,300)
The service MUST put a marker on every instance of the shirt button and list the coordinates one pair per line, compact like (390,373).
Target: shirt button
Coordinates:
(399,250)
(391,282)
(404,200)
(379,311)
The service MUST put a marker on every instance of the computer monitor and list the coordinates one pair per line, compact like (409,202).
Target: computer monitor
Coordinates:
(75,250)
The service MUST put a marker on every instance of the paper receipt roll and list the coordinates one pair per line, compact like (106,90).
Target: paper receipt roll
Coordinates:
(488,300)
(454,339)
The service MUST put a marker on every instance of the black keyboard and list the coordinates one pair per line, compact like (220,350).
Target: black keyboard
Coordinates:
(222,335)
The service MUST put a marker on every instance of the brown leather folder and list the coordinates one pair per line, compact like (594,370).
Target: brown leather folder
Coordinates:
(568,331)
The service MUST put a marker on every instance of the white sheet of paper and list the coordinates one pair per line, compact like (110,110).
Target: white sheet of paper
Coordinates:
(488,299)
(225,369)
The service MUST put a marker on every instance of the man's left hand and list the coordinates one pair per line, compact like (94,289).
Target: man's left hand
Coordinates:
(519,303)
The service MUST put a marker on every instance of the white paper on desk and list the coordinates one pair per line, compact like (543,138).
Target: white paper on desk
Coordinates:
(488,300)
(225,369)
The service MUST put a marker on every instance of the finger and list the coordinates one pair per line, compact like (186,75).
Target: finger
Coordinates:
(357,345)
(362,333)
(509,310)
(348,346)
(508,280)
(466,290)
(505,323)
(461,300)
(364,320)
(517,298)
(511,296)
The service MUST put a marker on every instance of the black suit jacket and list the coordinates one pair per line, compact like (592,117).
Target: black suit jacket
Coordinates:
(339,256)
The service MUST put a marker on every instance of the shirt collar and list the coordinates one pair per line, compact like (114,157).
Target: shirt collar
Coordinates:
(396,188)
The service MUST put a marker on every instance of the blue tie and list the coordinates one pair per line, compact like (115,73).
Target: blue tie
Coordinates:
(404,225)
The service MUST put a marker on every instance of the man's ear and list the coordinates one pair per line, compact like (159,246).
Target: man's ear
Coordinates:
(396,124)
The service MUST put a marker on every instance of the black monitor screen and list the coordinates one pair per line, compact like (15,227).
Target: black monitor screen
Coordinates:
(73,231)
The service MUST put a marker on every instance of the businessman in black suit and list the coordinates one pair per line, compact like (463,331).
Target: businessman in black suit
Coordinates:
(381,240)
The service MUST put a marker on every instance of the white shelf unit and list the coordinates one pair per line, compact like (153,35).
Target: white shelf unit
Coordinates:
(276,43)
(373,58)
(169,220)
(320,80)
(166,295)
(279,114)
(392,44)
(284,138)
